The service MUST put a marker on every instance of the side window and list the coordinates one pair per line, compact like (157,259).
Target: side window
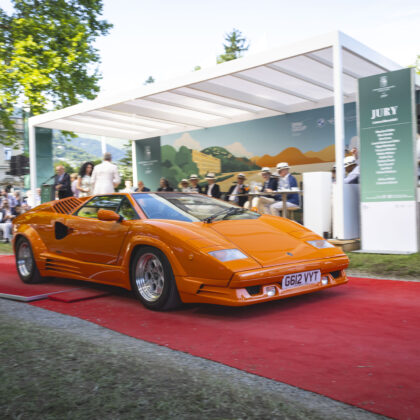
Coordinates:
(126,210)
(91,208)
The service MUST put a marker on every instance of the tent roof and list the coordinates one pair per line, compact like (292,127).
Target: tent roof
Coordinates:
(288,79)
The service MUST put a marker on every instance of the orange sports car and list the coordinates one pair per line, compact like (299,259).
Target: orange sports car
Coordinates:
(174,247)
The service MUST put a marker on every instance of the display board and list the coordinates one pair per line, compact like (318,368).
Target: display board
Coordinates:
(148,154)
(387,121)
(388,171)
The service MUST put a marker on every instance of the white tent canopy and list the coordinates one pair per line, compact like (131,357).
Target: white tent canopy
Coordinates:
(319,72)
(288,79)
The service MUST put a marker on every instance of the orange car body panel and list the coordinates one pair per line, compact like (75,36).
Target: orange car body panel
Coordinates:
(101,251)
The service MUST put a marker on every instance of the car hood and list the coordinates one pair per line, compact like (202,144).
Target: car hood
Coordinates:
(272,240)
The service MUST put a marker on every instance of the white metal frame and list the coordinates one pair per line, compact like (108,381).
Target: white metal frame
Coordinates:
(227,93)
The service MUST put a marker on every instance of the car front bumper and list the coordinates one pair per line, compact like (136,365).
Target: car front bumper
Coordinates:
(263,285)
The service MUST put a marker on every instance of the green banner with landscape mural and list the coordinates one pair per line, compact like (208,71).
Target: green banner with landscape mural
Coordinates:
(387,137)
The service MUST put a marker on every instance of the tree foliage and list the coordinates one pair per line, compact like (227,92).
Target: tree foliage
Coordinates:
(47,58)
(234,46)
(149,81)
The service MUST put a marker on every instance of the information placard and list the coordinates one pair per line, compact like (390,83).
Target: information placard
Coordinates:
(386,119)
(388,172)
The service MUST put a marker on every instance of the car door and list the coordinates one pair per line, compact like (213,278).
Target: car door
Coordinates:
(84,237)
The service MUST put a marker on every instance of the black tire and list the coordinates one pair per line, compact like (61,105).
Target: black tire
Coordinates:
(26,264)
(152,279)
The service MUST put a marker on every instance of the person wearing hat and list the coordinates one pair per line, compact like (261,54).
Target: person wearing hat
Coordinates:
(286,181)
(262,203)
(185,186)
(194,187)
(238,191)
(212,189)
(352,170)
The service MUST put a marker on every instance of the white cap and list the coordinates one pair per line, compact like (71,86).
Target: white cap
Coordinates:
(194,176)
(241,175)
(282,165)
(266,169)
(349,160)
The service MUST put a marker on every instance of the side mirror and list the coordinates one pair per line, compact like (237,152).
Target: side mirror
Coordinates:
(109,216)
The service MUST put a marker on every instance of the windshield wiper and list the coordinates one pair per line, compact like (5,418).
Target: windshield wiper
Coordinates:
(225,213)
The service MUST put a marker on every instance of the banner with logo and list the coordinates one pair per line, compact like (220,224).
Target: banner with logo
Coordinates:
(148,155)
(387,137)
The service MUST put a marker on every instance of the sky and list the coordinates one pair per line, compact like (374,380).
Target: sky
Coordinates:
(168,38)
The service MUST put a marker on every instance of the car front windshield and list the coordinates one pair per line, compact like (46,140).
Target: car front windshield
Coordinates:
(189,207)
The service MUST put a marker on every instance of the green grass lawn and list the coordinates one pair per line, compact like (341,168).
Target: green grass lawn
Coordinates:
(6,248)
(386,265)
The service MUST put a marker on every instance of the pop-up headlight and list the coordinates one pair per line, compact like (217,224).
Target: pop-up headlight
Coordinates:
(320,244)
(224,255)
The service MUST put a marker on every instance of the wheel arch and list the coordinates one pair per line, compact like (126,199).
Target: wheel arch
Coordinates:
(30,234)
(176,266)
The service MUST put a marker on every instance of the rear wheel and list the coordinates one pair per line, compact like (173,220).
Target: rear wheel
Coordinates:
(152,279)
(25,263)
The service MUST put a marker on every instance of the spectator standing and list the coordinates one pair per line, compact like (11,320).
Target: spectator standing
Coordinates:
(194,187)
(62,183)
(141,187)
(238,192)
(212,189)
(105,176)
(7,214)
(73,180)
(286,181)
(84,180)
(164,185)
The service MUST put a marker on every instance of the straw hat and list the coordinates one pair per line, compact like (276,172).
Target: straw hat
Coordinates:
(349,160)
(266,170)
(194,176)
(210,175)
(282,165)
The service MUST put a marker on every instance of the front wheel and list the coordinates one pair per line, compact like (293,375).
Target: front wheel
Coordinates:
(25,263)
(152,279)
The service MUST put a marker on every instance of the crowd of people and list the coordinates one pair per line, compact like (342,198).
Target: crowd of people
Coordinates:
(104,179)
(11,205)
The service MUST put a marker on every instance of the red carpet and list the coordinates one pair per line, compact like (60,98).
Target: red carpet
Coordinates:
(358,343)
(12,287)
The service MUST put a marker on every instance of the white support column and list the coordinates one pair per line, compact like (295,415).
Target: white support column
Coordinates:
(339,137)
(32,158)
(134,163)
(103,144)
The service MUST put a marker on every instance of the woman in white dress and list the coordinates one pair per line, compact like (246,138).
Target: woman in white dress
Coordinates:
(84,181)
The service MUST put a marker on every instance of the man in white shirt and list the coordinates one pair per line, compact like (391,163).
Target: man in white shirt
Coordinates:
(105,176)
